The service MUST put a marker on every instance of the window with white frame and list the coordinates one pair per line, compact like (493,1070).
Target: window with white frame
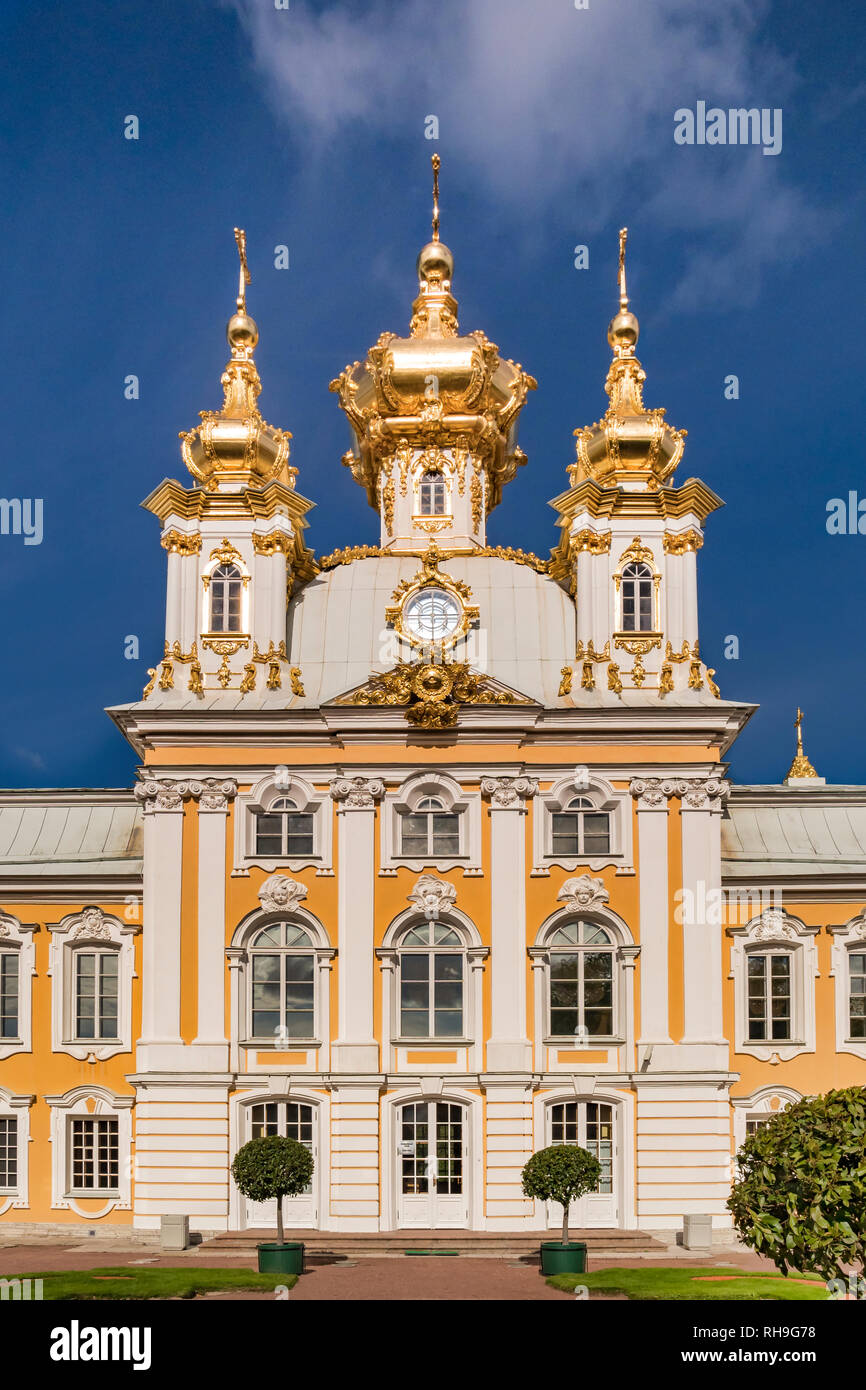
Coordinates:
(430,831)
(92,965)
(226,598)
(94,1155)
(282,973)
(857,994)
(284,831)
(636,588)
(9,994)
(8,1153)
(581,981)
(95,994)
(432,495)
(769,995)
(580,830)
(431,963)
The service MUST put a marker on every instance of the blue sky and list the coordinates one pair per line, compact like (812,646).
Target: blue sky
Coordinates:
(306,126)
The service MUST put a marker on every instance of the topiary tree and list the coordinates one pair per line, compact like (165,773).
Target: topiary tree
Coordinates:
(561,1173)
(800,1197)
(272,1167)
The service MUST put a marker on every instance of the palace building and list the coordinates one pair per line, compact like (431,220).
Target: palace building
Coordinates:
(431,860)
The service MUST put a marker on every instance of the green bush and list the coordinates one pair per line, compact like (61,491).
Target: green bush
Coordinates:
(272,1167)
(561,1173)
(800,1195)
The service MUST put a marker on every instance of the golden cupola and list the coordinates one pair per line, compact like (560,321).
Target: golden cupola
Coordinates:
(234,447)
(435,401)
(630,445)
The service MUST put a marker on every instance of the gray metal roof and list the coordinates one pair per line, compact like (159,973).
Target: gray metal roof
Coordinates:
(772,831)
(69,834)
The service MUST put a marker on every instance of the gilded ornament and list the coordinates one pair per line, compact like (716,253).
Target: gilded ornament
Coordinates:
(638,673)
(679,542)
(596,542)
(683,655)
(295,681)
(565,684)
(800,767)
(432,693)
(249,679)
(388,506)
(271,543)
(714,689)
(637,553)
(587,680)
(148,689)
(666,678)
(178,543)
(476,494)
(613,681)
(696,681)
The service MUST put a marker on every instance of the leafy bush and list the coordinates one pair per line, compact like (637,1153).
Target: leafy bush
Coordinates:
(561,1173)
(800,1197)
(272,1167)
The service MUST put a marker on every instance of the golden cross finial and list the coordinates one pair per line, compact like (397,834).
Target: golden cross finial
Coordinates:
(623,297)
(798,725)
(436,162)
(241,239)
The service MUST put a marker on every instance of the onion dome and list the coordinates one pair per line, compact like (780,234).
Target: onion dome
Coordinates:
(629,444)
(234,447)
(435,386)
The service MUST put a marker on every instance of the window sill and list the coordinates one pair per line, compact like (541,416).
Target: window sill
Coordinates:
(444,1043)
(97,1193)
(290,1045)
(587,1044)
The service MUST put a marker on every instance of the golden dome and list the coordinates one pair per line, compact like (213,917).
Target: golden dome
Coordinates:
(234,447)
(629,443)
(435,386)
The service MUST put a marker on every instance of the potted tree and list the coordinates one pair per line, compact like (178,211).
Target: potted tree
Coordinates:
(269,1168)
(561,1174)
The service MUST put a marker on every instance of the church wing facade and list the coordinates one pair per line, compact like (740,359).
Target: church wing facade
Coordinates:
(431,859)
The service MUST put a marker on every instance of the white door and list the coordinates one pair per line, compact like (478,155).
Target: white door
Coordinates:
(432,1171)
(592,1125)
(293,1121)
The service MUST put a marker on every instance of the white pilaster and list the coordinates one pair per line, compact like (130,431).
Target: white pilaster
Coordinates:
(163,853)
(356,1049)
(508,1048)
(213,797)
(701,808)
(651,796)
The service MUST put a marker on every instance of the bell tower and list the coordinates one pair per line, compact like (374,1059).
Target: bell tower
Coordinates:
(434,419)
(630,539)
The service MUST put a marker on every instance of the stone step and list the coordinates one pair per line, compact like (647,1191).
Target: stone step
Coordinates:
(346,1243)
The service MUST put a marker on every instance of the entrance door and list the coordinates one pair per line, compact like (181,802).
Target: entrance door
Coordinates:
(431,1166)
(293,1121)
(592,1125)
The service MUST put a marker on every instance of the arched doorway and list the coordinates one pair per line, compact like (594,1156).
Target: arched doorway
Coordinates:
(432,1165)
(593,1125)
(293,1120)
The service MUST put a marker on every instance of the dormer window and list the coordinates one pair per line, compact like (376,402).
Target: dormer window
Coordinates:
(580,830)
(284,831)
(226,591)
(432,495)
(637,598)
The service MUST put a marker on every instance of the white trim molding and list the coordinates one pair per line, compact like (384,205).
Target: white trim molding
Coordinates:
(315,801)
(16,937)
(847,940)
(403,800)
(86,1103)
(776,930)
(17,1107)
(582,781)
(79,931)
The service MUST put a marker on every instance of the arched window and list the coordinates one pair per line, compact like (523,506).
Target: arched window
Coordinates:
(429,832)
(581,981)
(637,598)
(432,495)
(284,832)
(226,590)
(580,829)
(282,983)
(431,982)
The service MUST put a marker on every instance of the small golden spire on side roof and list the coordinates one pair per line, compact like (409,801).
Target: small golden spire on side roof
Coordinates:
(800,767)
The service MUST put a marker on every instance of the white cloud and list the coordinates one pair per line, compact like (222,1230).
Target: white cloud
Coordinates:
(550,106)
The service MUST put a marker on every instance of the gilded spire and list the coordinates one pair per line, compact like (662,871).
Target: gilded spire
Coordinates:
(623,297)
(624,329)
(436,162)
(234,445)
(800,767)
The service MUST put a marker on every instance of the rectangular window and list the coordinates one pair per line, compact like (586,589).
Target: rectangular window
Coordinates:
(581,994)
(96,995)
(94,1159)
(857,994)
(769,997)
(8,994)
(8,1153)
(756,1122)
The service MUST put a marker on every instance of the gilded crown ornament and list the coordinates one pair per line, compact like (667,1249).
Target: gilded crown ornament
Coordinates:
(800,767)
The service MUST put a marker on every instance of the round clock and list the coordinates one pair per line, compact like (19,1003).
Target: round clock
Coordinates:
(432,615)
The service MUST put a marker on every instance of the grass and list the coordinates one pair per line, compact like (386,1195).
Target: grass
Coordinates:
(707,1283)
(165,1282)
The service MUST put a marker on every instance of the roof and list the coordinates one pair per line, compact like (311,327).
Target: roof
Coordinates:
(77,837)
(782,834)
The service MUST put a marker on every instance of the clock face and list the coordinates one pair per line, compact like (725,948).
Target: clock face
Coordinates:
(432,615)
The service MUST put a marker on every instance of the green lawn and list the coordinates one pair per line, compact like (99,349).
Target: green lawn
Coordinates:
(166,1282)
(706,1283)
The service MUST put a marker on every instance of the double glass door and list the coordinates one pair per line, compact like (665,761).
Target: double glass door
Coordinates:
(591,1124)
(293,1121)
(431,1166)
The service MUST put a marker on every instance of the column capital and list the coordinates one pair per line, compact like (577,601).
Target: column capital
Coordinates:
(703,794)
(509,793)
(160,794)
(357,793)
(653,793)
(214,793)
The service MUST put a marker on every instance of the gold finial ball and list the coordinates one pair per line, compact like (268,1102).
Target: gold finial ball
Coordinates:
(242,332)
(435,262)
(623,330)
